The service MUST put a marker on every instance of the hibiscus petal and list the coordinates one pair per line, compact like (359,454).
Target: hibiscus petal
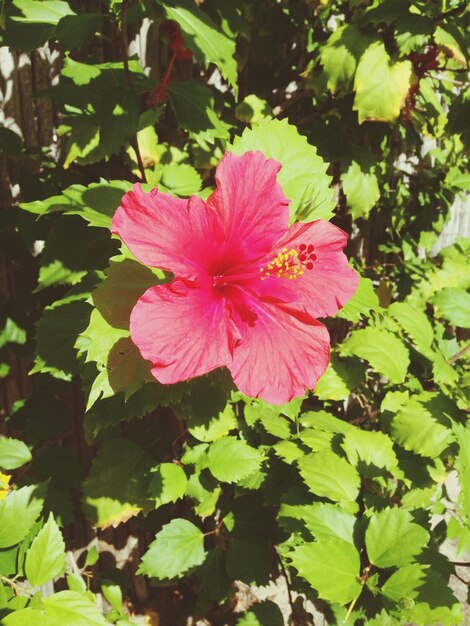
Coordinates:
(251,202)
(183,328)
(282,351)
(325,288)
(182,236)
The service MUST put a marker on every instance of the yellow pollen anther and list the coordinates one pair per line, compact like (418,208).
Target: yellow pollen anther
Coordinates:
(284,265)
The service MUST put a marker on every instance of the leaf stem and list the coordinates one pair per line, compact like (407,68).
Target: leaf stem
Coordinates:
(15,586)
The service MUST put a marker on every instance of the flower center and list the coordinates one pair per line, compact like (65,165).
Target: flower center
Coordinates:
(291,263)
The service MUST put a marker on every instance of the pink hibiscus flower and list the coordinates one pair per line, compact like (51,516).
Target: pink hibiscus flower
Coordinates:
(247,288)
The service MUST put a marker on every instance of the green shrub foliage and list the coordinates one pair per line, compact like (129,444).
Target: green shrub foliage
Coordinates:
(349,493)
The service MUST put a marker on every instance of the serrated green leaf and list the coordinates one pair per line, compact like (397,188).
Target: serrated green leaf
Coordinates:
(415,323)
(202,36)
(331,566)
(323,520)
(12,333)
(403,584)
(393,539)
(361,187)
(13,453)
(462,464)
(30,617)
(41,12)
(178,547)
(363,301)
(116,487)
(420,429)
(383,351)
(340,56)
(453,305)
(369,451)
(265,613)
(45,558)
(72,607)
(230,459)
(180,179)
(381,85)
(328,475)
(195,110)
(18,514)
(303,175)
(168,483)
(95,203)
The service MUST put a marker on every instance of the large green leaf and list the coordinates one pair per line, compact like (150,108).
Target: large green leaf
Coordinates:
(72,607)
(383,351)
(393,539)
(363,301)
(202,36)
(361,186)
(422,427)
(381,85)
(328,475)
(230,459)
(168,483)
(403,585)
(96,203)
(45,558)
(453,305)
(331,566)
(463,466)
(369,451)
(18,514)
(322,519)
(116,487)
(341,55)
(13,453)
(415,323)
(41,11)
(303,175)
(178,547)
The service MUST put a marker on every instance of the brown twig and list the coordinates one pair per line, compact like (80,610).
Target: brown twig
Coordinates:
(460,354)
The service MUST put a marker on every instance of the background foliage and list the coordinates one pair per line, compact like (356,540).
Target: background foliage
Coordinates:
(349,496)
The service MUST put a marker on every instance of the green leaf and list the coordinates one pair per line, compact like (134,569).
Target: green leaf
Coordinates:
(41,11)
(202,36)
(95,203)
(180,179)
(45,558)
(381,86)
(265,613)
(462,464)
(328,475)
(56,333)
(12,333)
(421,428)
(116,487)
(415,323)
(18,514)
(393,539)
(303,175)
(253,109)
(331,566)
(72,607)
(361,187)
(369,451)
(30,617)
(403,584)
(126,281)
(178,547)
(453,305)
(230,459)
(363,301)
(322,519)
(168,484)
(341,55)
(75,30)
(195,110)
(13,453)
(383,351)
